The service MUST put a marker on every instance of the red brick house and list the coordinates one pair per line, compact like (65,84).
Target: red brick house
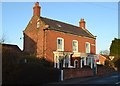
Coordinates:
(64,44)
(102,59)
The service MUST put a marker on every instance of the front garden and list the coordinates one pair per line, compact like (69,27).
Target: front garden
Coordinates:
(22,69)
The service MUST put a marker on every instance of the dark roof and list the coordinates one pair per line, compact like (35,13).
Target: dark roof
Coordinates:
(66,28)
(11,47)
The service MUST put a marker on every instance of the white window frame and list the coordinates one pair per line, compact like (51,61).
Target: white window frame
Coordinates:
(77,45)
(38,24)
(62,44)
(86,48)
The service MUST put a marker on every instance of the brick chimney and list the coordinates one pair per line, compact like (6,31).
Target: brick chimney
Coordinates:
(82,23)
(36,9)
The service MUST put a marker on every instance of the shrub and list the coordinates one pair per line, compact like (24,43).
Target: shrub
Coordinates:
(45,63)
(117,64)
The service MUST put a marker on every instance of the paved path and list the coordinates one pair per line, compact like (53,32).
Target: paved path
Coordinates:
(111,79)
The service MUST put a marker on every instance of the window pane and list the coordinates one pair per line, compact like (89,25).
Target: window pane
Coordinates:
(38,24)
(59,41)
(87,48)
(59,44)
(75,45)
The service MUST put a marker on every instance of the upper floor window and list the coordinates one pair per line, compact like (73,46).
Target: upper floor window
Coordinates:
(75,45)
(60,44)
(38,24)
(87,47)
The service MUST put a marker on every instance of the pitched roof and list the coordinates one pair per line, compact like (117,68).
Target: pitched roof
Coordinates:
(66,28)
(11,47)
(104,56)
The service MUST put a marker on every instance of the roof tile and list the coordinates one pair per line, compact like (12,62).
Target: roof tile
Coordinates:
(67,28)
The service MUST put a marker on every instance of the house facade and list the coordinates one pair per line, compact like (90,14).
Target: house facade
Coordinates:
(63,44)
(102,59)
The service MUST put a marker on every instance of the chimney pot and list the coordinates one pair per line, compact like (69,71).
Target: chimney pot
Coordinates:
(82,23)
(37,4)
(36,9)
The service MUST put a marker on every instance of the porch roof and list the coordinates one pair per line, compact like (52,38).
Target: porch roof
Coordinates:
(75,54)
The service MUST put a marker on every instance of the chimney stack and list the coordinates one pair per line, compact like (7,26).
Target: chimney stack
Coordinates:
(82,23)
(36,9)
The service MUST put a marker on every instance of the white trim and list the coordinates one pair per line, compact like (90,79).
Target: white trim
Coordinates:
(54,61)
(62,44)
(93,44)
(69,61)
(81,62)
(91,62)
(77,45)
(58,65)
(76,54)
(64,62)
(89,47)
(85,60)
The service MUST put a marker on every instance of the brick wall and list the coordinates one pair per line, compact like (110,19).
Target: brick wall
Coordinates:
(74,73)
(86,71)
(51,43)
(42,42)
(103,70)
(34,37)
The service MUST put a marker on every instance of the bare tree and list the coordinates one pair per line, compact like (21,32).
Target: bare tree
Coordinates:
(2,39)
(105,52)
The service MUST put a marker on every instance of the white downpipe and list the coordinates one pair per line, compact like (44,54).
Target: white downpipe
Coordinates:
(69,62)
(81,63)
(85,61)
(64,62)
(58,62)
(61,75)
(54,61)
(91,62)
(95,65)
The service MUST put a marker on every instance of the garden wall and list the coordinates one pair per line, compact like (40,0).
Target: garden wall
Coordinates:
(74,73)
(86,72)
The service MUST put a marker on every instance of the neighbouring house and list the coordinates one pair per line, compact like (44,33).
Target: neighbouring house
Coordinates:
(10,53)
(65,45)
(101,60)
(11,47)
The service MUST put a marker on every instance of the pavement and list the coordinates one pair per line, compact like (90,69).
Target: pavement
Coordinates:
(81,80)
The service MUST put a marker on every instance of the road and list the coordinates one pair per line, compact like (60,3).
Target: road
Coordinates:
(109,80)
(112,79)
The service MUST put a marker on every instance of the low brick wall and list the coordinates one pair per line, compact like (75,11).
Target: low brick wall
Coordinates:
(86,72)
(103,70)
(74,73)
